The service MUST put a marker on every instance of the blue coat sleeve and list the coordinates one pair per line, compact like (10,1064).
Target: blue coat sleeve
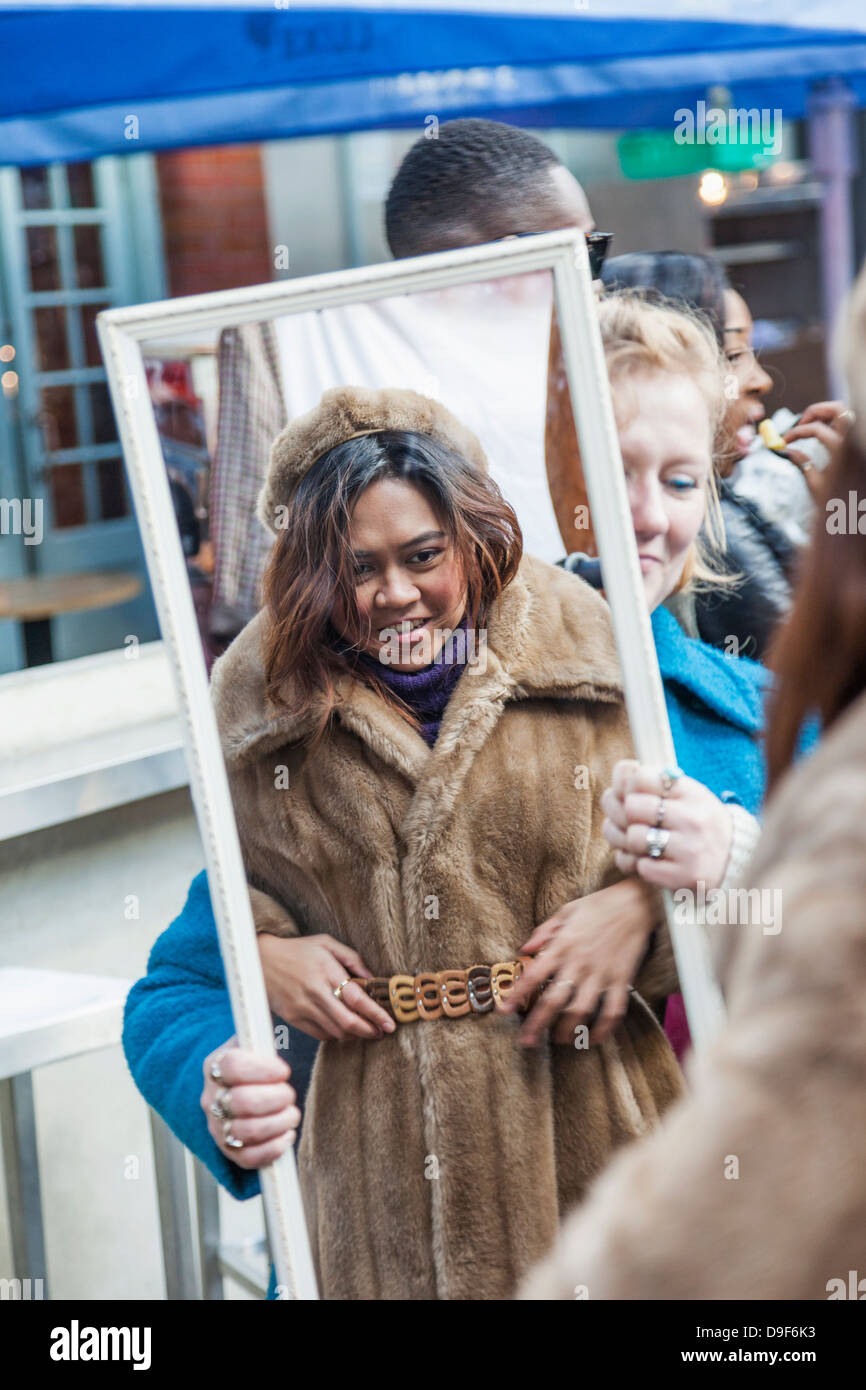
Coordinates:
(177,1014)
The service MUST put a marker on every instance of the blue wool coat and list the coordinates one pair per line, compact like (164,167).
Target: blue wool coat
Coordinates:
(179,1012)
(715,705)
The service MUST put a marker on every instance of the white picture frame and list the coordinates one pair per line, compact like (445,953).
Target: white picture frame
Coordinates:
(121,333)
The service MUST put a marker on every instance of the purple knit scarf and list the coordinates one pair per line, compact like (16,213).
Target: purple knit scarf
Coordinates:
(428,689)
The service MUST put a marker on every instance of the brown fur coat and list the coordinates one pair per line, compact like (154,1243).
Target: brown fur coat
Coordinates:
(437,1162)
(755,1185)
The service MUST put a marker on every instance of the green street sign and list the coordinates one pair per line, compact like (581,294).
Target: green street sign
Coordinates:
(728,145)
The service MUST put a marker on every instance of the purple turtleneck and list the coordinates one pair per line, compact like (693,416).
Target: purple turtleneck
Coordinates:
(427,689)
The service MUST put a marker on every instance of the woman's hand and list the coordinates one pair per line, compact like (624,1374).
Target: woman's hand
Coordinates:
(826,421)
(588,951)
(301,974)
(700,825)
(258,1106)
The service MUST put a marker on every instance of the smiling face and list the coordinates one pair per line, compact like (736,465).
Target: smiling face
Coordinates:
(409,577)
(665,436)
(752,382)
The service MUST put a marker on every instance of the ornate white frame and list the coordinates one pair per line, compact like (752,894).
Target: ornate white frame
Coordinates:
(121,331)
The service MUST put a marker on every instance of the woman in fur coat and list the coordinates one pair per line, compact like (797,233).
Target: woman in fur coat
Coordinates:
(411,805)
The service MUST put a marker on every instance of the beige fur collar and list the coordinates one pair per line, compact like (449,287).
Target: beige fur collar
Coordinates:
(548,636)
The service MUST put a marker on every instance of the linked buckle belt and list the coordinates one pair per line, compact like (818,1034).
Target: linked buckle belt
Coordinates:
(447,993)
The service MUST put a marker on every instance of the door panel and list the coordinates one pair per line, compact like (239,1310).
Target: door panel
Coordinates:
(75,239)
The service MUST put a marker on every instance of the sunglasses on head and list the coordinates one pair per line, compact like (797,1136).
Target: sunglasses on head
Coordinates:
(597,244)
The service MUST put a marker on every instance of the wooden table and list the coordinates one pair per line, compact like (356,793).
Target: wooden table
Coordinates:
(35,599)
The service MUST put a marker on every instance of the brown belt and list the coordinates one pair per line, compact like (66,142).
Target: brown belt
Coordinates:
(446,993)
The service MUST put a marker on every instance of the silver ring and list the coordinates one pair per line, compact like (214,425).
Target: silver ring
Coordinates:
(656,842)
(229,1138)
(220,1105)
(660,813)
(216,1074)
(669,776)
(338,992)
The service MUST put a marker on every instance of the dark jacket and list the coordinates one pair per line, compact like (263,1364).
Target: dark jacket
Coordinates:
(765,558)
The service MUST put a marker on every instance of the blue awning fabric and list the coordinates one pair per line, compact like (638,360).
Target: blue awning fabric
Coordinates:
(82,80)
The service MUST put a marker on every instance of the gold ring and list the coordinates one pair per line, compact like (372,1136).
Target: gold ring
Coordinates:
(338,992)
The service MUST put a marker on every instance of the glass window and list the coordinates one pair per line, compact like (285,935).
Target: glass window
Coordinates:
(81,191)
(67,494)
(42,255)
(88,256)
(58,418)
(113,501)
(52,347)
(92,355)
(35,189)
(104,430)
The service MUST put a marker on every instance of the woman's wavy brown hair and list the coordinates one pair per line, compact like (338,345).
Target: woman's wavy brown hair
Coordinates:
(819,655)
(311,564)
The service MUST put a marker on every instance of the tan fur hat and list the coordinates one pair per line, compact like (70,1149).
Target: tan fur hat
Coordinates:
(343,413)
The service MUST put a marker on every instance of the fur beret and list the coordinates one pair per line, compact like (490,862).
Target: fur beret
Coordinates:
(343,413)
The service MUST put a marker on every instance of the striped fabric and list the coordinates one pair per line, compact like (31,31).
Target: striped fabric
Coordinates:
(252,413)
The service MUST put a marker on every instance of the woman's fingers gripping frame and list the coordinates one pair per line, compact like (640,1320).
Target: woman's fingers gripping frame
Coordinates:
(262,1105)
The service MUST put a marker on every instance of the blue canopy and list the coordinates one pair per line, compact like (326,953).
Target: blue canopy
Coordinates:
(78,80)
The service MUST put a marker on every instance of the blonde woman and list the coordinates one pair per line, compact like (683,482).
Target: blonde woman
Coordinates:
(667,376)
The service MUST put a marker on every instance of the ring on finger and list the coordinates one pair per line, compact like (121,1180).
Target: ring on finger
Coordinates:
(669,776)
(338,992)
(229,1138)
(220,1105)
(660,813)
(216,1074)
(656,842)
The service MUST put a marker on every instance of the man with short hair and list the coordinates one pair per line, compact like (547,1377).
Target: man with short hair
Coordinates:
(477,181)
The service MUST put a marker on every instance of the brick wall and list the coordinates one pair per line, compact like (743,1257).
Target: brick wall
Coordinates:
(214,218)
